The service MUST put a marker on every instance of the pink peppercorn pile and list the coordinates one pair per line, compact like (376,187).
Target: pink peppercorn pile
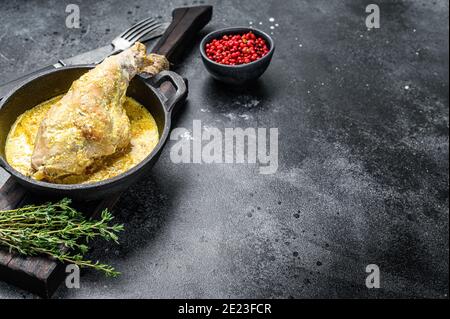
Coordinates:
(237,49)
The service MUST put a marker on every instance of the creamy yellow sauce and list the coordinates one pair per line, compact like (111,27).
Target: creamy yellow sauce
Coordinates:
(144,137)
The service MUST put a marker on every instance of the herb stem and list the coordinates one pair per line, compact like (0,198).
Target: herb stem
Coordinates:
(56,230)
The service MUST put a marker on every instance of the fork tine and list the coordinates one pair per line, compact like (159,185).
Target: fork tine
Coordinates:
(137,26)
(133,27)
(143,31)
(139,29)
(149,35)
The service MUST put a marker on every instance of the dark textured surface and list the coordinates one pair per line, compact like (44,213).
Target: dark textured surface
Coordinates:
(363,175)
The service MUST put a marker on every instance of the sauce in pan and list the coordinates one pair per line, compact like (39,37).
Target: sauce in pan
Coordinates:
(144,137)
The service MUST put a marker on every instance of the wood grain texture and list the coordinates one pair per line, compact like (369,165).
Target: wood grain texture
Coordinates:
(186,23)
(38,274)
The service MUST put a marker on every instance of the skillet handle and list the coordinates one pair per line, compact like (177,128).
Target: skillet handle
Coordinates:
(181,33)
(180,85)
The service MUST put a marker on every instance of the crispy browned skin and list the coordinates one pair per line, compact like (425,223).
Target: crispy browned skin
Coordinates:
(89,122)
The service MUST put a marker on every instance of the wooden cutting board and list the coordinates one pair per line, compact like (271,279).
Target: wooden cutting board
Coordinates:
(43,275)
(40,275)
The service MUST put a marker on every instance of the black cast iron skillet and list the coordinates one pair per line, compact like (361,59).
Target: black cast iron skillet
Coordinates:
(186,23)
(55,82)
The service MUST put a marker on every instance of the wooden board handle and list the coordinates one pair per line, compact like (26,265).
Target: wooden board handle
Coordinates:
(186,23)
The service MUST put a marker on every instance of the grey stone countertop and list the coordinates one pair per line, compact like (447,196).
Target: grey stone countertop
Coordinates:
(363,155)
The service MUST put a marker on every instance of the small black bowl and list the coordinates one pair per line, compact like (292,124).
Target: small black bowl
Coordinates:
(242,73)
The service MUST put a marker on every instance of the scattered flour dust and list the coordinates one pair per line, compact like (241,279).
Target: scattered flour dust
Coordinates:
(241,106)
(272,25)
(249,103)
(245,116)
(230,116)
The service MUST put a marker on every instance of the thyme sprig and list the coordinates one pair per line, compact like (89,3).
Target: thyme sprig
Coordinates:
(56,230)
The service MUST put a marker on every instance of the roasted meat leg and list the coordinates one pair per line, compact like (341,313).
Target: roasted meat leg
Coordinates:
(89,122)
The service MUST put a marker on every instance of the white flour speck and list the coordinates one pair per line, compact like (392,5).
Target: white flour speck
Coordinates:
(406,87)
(260,23)
(249,104)
(244,116)
(250,23)
(271,19)
(230,116)
(272,27)
(277,25)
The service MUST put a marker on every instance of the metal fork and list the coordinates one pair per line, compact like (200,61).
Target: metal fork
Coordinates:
(127,38)
(143,31)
